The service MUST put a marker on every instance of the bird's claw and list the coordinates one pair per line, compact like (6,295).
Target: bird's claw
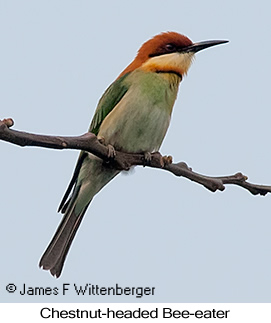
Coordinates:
(147,159)
(111,152)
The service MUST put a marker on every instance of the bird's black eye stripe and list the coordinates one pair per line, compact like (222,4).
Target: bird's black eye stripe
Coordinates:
(166,49)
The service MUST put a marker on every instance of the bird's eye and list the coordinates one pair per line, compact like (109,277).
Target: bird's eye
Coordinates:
(164,49)
(170,47)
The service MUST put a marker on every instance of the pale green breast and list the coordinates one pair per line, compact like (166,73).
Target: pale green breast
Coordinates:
(138,123)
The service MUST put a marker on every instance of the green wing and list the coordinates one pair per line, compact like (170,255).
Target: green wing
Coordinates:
(108,101)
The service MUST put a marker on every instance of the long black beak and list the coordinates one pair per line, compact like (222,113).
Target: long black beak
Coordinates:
(202,45)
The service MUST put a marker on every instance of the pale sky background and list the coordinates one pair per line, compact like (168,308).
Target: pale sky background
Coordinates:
(148,228)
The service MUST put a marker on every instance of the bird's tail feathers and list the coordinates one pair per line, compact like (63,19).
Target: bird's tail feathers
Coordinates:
(55,254)
(90,179)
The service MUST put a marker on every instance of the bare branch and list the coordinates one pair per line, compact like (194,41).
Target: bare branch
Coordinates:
(123,161)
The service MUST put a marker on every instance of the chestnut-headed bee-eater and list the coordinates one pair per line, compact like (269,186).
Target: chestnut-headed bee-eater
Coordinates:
(133,116)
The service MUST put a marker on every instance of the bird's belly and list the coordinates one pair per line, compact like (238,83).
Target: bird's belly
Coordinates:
(135,128)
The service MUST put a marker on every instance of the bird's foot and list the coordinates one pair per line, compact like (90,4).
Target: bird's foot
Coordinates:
(147,159)
(111,154)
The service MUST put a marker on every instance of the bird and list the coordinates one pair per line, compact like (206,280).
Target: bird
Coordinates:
(133,116)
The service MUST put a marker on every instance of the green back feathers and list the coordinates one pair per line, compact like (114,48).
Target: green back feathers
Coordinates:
(108,101)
